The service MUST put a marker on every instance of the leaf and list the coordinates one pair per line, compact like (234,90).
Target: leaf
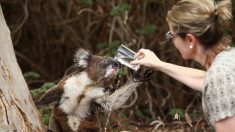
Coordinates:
(139,113)
(121,73)
(149,29)
(102,45)
(46,114)
(148,119)
(147,111)
(124,115)
(117,11)
(42,89)
(46,118)
(31,74)
(114,46)
(47,85)
(125,7)
(87,2)
(148,116)
(178,111)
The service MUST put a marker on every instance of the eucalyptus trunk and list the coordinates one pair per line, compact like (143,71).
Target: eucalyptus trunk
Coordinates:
(17,109)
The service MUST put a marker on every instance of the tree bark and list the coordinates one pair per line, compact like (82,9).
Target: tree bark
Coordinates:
(17,109)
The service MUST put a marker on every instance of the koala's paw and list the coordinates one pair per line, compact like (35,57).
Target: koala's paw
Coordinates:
(142,74)
(38,104)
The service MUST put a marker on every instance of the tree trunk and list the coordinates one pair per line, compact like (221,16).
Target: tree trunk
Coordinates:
(17,109)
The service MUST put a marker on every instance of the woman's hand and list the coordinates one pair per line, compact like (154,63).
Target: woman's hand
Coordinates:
(193,78)
(147,58)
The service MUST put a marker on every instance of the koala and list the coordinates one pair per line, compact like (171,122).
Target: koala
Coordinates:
(80,94)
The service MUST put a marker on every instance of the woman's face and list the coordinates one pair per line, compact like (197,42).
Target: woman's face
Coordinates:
(182,45)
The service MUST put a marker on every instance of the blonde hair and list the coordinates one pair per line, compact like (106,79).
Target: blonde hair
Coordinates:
(205,19)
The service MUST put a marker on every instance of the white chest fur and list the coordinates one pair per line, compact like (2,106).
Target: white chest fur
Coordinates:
(73,104)
(74,88)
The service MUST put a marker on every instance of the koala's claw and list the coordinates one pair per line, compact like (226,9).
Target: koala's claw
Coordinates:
(142,74)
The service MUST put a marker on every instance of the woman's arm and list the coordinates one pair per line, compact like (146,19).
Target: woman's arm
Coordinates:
(193,78)
(225,125)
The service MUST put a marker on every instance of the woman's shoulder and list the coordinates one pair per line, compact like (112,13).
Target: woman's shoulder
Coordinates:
(224,63)
(227,52)
(225,59)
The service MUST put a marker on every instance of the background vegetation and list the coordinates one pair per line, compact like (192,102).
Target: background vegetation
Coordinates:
(46,33)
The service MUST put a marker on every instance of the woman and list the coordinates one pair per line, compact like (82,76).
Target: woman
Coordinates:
(197,31)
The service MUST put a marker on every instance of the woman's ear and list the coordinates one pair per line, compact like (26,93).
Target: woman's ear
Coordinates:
(191,40)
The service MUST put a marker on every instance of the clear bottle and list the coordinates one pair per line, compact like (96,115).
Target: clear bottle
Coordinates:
(124,55)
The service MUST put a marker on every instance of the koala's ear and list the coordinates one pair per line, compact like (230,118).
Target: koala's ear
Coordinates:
(82,58)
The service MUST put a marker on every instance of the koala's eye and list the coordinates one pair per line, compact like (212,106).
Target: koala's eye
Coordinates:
(104,61)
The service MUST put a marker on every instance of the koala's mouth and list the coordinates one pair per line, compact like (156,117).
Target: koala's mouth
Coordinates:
(111,71)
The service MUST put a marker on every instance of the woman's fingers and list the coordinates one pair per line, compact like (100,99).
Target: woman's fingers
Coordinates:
(135,62)
(141,52)
(138,54)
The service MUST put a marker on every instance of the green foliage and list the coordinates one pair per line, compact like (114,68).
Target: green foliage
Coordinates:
(117,11)
(126,123)
(121,73)
(124,115)
(101,46)
(144,114)
(148,117)
(148,29)
(42,89)
(139,114)
(174,111)
(87,2)
(46,114)
(113,46)
(31,75)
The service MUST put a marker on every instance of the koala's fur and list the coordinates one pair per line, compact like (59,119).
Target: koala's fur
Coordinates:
(78,95)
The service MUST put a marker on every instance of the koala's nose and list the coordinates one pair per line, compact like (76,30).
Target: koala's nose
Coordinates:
(115,63)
